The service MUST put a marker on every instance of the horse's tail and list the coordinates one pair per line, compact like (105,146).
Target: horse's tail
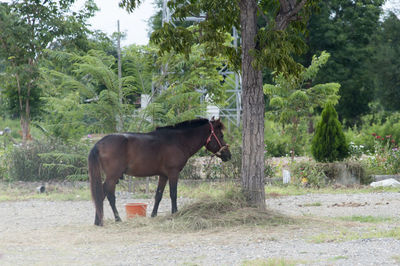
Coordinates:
(96,186)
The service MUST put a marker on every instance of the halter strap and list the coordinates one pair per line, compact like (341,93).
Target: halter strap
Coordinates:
(221,147)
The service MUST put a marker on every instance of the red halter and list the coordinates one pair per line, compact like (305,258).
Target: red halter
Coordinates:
(221,147)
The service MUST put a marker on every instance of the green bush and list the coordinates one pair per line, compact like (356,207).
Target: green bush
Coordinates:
(379,125)
(213,168)
(46,160)
(308,174)
(386,156)
(329,142)
(313,174)
(278,142)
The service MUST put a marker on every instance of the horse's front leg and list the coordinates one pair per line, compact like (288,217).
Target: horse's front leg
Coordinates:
(162,181)
(173,192)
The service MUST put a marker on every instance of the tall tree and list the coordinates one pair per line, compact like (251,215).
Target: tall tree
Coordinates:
(387,65)
(269,46)
(294,99)
(27,27)
(344,29)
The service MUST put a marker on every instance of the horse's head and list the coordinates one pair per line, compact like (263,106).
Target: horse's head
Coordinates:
(216,143)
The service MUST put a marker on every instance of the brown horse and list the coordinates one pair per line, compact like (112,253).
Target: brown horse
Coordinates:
(162,152)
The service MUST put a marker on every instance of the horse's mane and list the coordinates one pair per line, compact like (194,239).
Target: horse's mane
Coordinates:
(186,124)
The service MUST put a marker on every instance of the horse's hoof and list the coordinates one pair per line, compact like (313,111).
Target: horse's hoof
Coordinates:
(98,224)
(153,215)
(118,219)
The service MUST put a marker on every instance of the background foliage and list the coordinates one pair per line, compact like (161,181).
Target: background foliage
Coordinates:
(75,89)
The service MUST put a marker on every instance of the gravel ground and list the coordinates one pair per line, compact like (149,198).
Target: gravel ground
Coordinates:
(61,233)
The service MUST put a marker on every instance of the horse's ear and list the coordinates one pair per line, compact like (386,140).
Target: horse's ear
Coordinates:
(213,119)
(219,124)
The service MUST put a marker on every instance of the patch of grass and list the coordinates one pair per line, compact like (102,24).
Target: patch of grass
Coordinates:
(346,235)
(293,190)
(314,204)
(365,219)
(189,264)
(57,193)
(339,258)
(271,262)
(396,258)
(205,189)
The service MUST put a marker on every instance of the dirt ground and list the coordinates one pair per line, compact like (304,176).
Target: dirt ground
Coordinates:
(62,233)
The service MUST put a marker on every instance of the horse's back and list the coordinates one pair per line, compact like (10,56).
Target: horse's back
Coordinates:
(140,154)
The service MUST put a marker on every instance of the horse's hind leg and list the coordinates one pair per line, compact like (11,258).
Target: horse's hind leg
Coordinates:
(162,180)
(173,192)
(109,190)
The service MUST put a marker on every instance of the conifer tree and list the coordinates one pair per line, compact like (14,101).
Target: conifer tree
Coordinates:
(329,143)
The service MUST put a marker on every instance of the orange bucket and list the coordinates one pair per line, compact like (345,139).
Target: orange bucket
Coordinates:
(135,209)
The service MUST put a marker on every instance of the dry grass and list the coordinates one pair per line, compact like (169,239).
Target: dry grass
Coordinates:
(211,212)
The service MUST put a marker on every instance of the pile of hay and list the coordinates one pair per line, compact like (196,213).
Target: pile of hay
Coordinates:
(228,210)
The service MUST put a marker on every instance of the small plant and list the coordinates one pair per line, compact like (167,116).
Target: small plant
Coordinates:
(329,142)
(356,151)
(309,174)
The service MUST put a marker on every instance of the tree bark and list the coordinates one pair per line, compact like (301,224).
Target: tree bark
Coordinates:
(253,110)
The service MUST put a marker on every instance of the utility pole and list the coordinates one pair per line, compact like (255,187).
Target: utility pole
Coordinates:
(232,111)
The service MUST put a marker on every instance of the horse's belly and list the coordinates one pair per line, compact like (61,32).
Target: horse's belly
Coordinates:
(141,173)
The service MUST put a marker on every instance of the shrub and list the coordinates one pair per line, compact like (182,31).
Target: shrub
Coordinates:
(378,123)
(213,168)
(191,170)
(278,142)
(329,143)
(47,160)
(386,156)
(309,174)
(312,174)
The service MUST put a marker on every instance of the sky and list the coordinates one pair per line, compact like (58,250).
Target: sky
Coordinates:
(133,24)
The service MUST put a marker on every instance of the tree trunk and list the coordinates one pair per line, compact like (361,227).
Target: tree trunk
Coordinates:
(253,110)
(23,112)
(24,129)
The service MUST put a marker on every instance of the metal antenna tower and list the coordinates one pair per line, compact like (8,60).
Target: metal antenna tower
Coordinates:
(232,110)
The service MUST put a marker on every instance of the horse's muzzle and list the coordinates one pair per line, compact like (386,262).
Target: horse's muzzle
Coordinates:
(224,153)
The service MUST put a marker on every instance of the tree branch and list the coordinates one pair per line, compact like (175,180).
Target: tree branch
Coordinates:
(288,12)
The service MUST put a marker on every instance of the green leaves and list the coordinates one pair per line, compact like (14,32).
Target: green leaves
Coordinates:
(295,95)
(333,29)
(293,98)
